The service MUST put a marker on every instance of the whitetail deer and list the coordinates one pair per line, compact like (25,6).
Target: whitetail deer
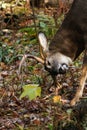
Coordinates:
(68,43)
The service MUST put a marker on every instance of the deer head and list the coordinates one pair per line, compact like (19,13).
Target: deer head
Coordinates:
(55,62)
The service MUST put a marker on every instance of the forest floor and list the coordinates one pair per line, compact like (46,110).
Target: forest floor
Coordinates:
(45,112)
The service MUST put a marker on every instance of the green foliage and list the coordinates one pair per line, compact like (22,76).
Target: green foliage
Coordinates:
(31,90)
(36,79)
(29,35)
(46,24)
(69,111)
(30,68)
(78,63)
(7,53)
(29,30)
(50,126)
(60,19)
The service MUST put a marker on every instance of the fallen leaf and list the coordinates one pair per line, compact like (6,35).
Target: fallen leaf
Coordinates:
(31,90)
(56,99)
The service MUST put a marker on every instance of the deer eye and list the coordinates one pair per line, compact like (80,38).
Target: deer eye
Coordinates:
(49,63)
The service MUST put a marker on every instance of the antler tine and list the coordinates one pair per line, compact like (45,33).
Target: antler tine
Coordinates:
(36,58)
(29,56)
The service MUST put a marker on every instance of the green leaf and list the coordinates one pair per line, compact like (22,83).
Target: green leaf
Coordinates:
(31,90)
(69,111)
(50,126)
(42,24)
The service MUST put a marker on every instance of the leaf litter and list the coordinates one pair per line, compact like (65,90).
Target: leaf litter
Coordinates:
(42,113)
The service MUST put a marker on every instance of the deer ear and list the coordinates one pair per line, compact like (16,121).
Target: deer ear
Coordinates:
(43,42)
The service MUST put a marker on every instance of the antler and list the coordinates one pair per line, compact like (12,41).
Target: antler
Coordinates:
(29,56)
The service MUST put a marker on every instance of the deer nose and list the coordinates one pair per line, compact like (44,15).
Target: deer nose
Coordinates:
(63,68)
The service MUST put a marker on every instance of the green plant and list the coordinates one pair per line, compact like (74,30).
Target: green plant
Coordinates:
(46,24)
(7,53)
